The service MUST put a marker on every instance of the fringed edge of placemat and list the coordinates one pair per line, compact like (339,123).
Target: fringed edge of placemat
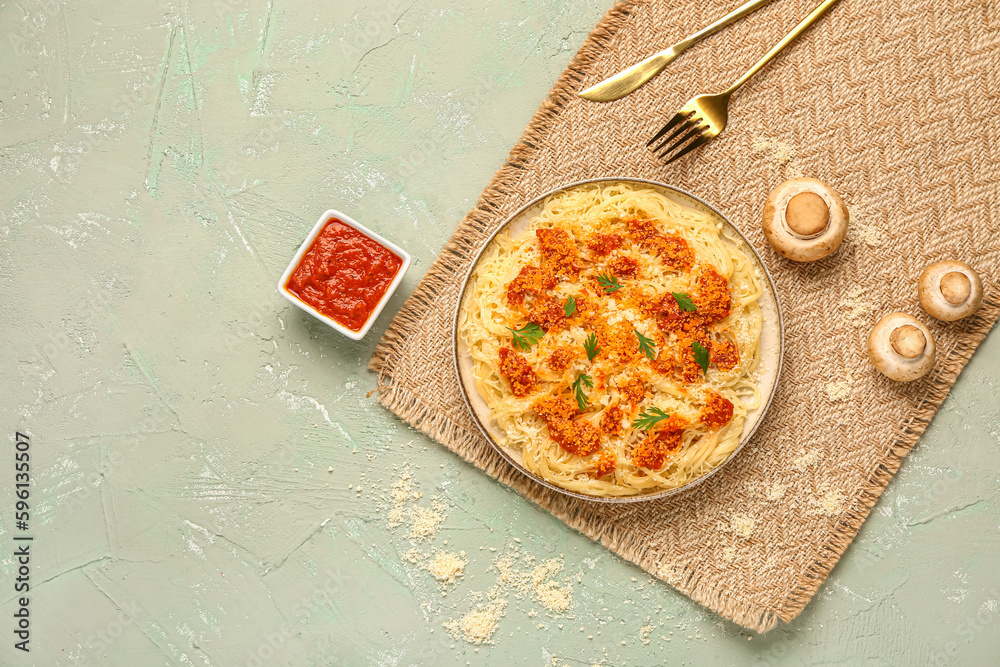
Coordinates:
(474,228)
(939,384)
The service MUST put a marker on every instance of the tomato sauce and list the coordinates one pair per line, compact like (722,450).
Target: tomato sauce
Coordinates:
(344,274)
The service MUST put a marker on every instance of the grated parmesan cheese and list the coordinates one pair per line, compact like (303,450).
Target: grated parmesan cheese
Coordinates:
(778,152)
(479,625)
(518,574)
(831,503)
(447,567)
(776,491)
(864,230)
(806,459)
(859,305)
(743,525)
(840,390)
(553,597)
(644,632)
(424,521)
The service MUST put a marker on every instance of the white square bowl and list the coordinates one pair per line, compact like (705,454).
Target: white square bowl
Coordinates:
(350,222)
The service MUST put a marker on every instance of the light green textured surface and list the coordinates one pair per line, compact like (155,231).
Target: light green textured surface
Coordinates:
(159,164)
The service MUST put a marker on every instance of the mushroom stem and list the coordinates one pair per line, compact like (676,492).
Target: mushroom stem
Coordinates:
(908,341)
(807,214)
(955,287)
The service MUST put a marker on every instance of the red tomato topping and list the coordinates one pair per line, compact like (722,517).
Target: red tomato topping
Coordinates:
(671,318)
(518,372)
(562,356)
(547,313)
(623,267)
(717,411)
(673,251)
(605,464)
(611,420)
(558,249)
(652,452)
(713,299)
(578,437)
(725,355)
(550,407)
(603,244)
(530,280)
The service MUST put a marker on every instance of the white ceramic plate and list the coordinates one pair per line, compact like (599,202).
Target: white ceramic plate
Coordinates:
(771,339)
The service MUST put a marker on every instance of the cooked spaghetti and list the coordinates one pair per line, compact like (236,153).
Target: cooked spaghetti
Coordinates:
(616,340)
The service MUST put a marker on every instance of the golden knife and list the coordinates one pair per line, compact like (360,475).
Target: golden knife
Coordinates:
(627,80)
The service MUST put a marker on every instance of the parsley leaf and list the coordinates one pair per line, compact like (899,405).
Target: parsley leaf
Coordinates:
(527,335)
(581,398)
(609,283)
(684,302)
(570,306)
(700,355)
(649,419)
(591,346)
(646,346)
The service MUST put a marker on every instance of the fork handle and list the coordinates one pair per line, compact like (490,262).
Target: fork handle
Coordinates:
(714,27)
(785,41)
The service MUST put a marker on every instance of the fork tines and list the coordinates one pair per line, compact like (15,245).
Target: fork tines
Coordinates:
(686,122)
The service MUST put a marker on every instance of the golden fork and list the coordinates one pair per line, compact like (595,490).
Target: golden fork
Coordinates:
(704,117)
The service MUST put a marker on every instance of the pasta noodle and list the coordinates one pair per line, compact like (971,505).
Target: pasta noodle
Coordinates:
(616,340)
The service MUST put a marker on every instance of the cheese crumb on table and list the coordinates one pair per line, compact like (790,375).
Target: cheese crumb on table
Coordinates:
(520,575)
(446,567)
(424,521)
(479,625)
(778,152)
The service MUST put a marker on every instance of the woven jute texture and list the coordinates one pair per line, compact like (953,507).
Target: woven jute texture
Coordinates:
(894,103)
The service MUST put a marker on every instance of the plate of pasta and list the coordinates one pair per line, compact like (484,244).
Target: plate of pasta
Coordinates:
(618,340)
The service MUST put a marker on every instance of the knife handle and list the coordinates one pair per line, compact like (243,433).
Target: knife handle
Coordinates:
(734,15)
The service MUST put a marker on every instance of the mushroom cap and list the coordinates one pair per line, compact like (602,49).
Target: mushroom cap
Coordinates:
(901,348)
(950,290)
(805,219)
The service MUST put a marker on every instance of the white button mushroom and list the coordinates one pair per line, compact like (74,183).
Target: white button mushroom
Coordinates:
(950,290)
(805,219)
(901,348)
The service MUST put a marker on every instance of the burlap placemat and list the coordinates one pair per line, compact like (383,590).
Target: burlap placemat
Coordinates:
(891,102)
